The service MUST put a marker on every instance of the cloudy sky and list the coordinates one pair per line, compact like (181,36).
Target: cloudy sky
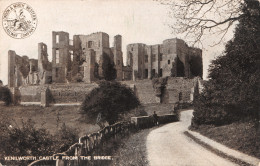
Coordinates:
(142,21)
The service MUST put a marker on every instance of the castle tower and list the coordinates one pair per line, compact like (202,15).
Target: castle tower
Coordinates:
(118,56)
(11,68)
(60,56)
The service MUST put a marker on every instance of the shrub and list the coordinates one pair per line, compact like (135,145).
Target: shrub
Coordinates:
(159,84)
(5,95)
(111,100)
(28,140)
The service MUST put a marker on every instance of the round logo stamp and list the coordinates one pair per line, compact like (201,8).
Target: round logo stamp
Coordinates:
(19,20)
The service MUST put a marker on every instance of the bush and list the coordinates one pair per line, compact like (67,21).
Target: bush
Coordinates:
(5,95)
(159,84)
(111,100)
(28,140)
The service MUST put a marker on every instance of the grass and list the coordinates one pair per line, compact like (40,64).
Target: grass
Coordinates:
(217,152)
(132,150)
(242,136)
(50,118)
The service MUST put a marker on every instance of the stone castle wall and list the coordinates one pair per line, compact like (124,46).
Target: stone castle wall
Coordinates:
(58,93)
(177,90)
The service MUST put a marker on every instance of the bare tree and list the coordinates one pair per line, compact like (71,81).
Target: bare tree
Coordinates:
(198,18)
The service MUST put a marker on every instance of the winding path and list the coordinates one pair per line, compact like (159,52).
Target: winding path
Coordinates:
(168,146)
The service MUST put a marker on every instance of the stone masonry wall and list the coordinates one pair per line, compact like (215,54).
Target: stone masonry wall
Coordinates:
(59,93)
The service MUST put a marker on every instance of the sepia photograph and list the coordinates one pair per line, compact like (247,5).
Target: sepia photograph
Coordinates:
(130,83)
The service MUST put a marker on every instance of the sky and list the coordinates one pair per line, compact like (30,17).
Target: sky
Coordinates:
(137,21)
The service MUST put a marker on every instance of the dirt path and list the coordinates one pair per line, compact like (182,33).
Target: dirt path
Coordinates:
(168,146)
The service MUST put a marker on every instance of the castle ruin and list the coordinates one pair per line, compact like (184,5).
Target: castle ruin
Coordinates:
(77,64)
(74,60)
(173,58)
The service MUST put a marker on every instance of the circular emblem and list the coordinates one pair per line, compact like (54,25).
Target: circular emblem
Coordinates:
(19,20)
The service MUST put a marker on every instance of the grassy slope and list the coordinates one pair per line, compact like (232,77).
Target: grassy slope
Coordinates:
(132,150)
(242,136)
(47,117)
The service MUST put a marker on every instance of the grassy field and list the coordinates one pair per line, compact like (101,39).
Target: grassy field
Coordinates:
(50,118)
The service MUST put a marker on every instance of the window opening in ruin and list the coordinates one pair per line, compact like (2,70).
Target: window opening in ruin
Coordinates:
(146,58)
(118,62)
(132,49)
(169,62)
(161,72)
(57,38)
(141,62)
(153,58)
(71,55)
(180,96)
(90,44)
(57,72)
(59,93)
(98,43)
(57,55)
(43,47)
(71,42)
(160,57)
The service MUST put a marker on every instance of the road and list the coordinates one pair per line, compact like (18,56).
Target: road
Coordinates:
(168,146)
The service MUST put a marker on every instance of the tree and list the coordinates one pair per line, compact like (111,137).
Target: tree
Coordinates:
(5,95)
(198,18)
(110,100)
(108,68)
(232,92)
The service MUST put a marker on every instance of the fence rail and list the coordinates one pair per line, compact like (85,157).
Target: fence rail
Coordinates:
(88,143)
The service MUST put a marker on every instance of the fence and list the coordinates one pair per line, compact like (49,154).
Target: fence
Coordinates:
(88,143)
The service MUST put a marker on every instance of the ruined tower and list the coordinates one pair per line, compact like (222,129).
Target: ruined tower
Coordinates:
(60,57)
(118,56)
(44,66)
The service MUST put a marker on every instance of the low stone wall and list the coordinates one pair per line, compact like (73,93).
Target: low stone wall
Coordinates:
(70,93)
(31,93)
(148,121)
(57,93)
(178,89)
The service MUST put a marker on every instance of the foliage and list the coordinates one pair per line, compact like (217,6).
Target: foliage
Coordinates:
(232,92)
(111,99)
(77,78)
(28,140)
(108,67)
(5,95)
(159,84)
